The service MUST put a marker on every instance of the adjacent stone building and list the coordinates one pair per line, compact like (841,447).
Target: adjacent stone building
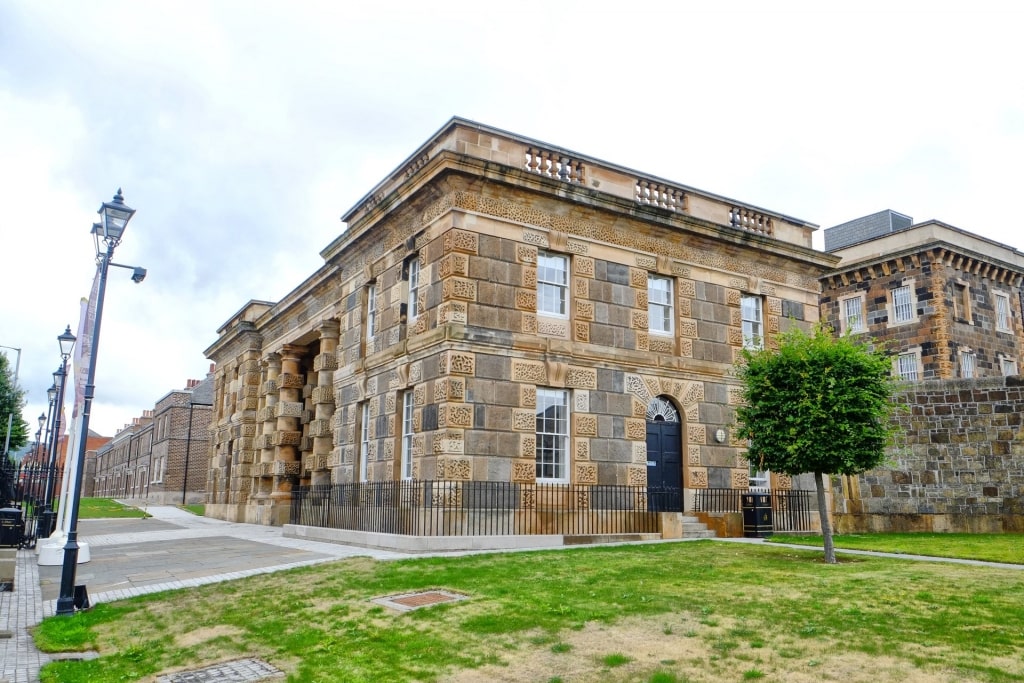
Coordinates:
(946,304)
(500,309)
(163,456)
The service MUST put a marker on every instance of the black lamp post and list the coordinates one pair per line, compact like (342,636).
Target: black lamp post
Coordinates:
(67,345)
(114,215)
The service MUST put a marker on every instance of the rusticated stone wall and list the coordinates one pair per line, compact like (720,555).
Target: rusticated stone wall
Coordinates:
(958,466)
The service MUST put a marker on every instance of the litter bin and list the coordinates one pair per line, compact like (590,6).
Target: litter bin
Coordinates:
(757,515)
(12,527)
(47,523)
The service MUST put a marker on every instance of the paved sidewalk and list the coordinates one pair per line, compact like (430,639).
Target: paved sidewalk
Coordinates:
(173,549)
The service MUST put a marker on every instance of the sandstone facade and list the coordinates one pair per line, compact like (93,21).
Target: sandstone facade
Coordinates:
(490,285)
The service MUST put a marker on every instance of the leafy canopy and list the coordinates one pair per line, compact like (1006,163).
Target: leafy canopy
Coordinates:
(817,404)
(11,402)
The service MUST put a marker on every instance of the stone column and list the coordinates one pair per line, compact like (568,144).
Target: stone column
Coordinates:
(320,429)
(266,418)
(288,436)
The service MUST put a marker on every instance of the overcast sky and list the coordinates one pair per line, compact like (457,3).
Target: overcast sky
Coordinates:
(241,131)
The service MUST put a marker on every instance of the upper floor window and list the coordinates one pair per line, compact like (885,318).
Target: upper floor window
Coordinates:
(853,314)
(1009,366)
(552,452)
(967,364)
(1003,312)
(907,366)
(371,311)
(364,440)
(902,304)
(414,288)
(753,329)
(552,284)
(962,301)
(659,304)
(407,414)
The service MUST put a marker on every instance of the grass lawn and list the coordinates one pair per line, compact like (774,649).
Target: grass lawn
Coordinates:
(1007,548)
(660,613)
(100,508)
(195,509)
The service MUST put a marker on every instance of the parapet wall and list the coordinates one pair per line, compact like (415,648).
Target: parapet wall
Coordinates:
(958,464)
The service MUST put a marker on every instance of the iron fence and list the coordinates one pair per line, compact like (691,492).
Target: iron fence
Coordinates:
(791,510)
(27,492)
(475,508)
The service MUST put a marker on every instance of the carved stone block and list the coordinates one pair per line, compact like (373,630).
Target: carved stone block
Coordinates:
(696,434)
(534,372)
(584,309)
(693,456)
(320,428)
(581,378)
(460,241)
(528,396)
(450,312)
(289,381)
(583,266)
(524,420)
(287,438)
(584,424)
(581,449)
(638,278)
(288,409)
(456,363)
(458,288)
(526,299)
(636,476)
(325,361)
(524,471)
(586,473)
(696,478)
(528,446)
(739,479)
(455,415)
(687,288)
(636,429)
(581,331)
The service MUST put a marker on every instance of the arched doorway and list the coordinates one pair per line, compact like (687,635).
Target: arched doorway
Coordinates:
(664,457)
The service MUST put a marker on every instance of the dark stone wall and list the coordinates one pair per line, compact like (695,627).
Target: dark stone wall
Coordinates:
(958,464)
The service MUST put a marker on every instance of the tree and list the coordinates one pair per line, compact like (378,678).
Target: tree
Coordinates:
(12,400)
(819,404)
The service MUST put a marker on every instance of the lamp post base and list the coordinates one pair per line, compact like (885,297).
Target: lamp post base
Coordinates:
(52,555)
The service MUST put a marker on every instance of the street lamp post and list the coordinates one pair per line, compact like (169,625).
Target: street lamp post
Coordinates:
(114,215)
(67,345)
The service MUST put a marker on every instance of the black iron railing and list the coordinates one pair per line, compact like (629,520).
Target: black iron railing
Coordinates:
(27,493)
(791,510)
(475,508)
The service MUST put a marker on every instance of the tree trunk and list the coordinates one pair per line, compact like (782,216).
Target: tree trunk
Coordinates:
(826,528)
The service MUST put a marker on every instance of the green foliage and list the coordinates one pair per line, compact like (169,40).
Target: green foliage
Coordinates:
(817,404)
(317,622)
(12,400)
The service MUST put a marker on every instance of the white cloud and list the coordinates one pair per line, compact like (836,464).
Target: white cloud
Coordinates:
(242,131)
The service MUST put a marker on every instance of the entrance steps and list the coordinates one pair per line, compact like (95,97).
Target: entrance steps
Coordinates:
(678,525)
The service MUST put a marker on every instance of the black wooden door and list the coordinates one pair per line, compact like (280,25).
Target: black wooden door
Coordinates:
(664,467)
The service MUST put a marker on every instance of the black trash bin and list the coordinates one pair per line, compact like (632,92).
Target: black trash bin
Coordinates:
(47,523)
(757,515)
(12,527)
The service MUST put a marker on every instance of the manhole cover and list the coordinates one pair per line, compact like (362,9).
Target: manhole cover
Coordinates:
(238,671)
(411,601)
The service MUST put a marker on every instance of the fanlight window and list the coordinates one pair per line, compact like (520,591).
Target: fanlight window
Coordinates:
(662,410)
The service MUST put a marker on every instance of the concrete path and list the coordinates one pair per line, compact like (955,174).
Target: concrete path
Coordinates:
(173,549)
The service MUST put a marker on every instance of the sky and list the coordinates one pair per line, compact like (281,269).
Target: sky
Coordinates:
(242,131)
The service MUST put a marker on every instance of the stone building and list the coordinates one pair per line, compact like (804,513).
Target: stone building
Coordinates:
(161,457)
(946,302)
(500,309)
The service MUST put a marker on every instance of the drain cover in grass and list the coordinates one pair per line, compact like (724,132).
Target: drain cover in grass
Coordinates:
(238,671)
(411,601)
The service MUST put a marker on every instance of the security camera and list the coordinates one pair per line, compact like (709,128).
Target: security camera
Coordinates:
(138,275)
